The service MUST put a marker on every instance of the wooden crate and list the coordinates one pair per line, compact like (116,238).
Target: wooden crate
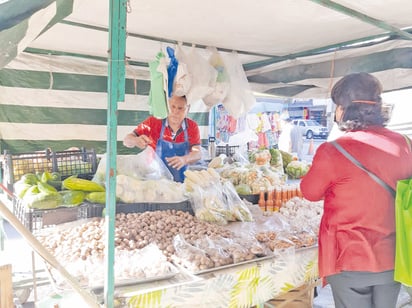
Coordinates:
(301,297)
(6,287)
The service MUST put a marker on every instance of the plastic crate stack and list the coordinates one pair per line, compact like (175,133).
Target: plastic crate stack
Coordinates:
(82,163)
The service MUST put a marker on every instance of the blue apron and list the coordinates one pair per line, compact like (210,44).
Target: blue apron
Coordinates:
(169,149)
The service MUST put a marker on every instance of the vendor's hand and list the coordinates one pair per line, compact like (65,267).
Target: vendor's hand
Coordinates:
(141,142)
(176,162)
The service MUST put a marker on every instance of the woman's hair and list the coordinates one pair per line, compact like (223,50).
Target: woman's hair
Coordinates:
(359,95)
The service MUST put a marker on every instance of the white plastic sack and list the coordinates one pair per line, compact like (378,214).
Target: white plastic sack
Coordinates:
(183,78)
(240,98)
(222,85)
(203,76)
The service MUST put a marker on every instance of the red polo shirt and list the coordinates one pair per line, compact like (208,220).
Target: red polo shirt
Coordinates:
(152,126)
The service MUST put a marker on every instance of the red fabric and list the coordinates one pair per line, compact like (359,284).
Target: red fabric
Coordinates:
(357,231)
(152,127)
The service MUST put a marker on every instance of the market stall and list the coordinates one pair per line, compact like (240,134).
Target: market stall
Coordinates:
(55,76)
(249,254)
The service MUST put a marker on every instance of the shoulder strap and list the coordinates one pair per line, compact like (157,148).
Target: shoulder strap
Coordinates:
(358,164)
(408,141)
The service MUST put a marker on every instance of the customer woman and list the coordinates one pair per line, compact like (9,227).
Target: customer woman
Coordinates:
(357,231)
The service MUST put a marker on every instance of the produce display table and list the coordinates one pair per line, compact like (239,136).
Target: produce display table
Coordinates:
(243,285)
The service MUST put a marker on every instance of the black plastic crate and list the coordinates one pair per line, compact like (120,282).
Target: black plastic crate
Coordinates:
(96,210)
(16,165)
(229,150)
(82,163)
(36,219)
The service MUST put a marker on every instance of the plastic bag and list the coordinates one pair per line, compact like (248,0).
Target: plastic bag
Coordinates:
(132,190)
(189,256)
(222,85)
(238,208)
(158,86)
(203,76)
(171,70)
(240,98)
(214,251)
(403,212)
(146,165)
(183,79)
(208,205)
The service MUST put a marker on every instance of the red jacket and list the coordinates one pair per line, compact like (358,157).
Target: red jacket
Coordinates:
(357,230)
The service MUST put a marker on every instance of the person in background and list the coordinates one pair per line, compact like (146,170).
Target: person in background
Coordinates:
(284,142)
(176,139)
(357,230)
(296,140)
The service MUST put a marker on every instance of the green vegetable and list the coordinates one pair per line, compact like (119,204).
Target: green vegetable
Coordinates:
(296,169)
(56,184)
(96,197)
(46,188)
(33,198)
(243,189)
(286,158)
(56,176)
(275,157)
(20,188)
(29,178)
(72,197)
(74,183)
(45,176)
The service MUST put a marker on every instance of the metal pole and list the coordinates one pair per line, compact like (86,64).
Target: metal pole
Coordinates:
(116,90)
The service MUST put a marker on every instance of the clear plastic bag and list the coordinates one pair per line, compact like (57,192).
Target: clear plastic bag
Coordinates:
(240,98)
(238,208)
(222,85)
(183,79)
(189,256)
(209,206)
(203,76)
(146,165)
(214,251)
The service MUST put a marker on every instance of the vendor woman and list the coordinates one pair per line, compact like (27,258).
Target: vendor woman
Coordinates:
(176,139)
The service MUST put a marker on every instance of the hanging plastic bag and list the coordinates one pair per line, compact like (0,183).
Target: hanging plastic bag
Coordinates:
(403,212)
(158,80)
(183,79)
(240,98)
(203,76)
(222,85)
(171,70)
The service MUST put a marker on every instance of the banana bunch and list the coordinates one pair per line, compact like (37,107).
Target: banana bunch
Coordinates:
(200,178)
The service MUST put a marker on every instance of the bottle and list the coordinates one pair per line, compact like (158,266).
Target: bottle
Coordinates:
(212,147)
(278,198)
(284,194)
(262,202)
(269,201)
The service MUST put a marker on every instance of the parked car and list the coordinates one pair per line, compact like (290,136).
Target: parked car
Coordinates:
(311,128)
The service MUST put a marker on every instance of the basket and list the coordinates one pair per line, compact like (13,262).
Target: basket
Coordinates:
(82,163)
(96,210)
(229,150)
(36,219)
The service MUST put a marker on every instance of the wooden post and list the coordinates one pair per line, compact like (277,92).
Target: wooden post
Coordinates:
(6,287)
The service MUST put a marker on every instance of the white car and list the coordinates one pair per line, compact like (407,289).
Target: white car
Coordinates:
(311,128)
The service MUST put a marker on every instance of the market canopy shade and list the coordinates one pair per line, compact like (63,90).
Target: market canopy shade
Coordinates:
(293,48)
